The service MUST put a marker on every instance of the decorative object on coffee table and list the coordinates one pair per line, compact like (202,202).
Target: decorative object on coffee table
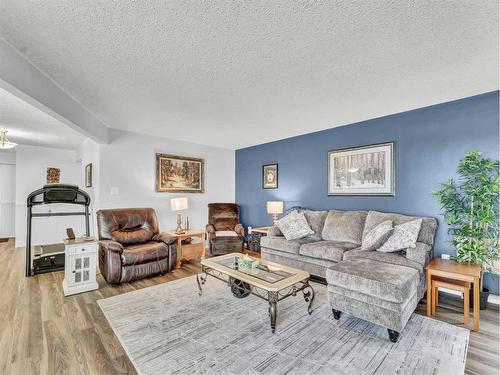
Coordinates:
(365,170)
(470,208)
(178,205)
(270,176)
(53,175)
(270,281)
(179,174)
(452,270)
(274,208)
(186,248)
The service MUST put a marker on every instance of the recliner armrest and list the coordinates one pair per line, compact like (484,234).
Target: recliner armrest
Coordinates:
(164,237)
(238,228)
(110,245)
(210,229)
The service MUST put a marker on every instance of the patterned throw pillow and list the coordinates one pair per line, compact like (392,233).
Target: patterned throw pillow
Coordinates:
(294,226)
(404,236)
(377,236)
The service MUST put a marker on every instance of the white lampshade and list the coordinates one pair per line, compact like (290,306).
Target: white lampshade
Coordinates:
(275,207)
(178,204)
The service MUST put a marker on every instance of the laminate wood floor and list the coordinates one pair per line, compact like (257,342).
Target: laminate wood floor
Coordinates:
(43,332)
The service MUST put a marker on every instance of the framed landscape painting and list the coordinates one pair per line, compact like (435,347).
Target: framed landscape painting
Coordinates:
(365,170)
(270,176)
(179,174)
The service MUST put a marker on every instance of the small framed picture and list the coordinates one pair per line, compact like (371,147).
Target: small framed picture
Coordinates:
(88,175)
(365,170)
(270,176)
(53,175)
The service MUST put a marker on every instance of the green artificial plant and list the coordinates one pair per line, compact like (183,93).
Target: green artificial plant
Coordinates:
(470,208)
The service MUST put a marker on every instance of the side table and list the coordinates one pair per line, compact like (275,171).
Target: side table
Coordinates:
(80,265)
(189,251)
(255,236)
(459,272)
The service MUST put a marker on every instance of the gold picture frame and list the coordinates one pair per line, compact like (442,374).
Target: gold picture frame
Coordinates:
(179,174)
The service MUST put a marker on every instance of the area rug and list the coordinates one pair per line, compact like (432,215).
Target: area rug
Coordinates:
(169,329)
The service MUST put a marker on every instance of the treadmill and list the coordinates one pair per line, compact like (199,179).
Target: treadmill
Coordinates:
(50,257)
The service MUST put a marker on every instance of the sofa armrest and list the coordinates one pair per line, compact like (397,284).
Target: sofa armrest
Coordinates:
(240,230)
(113,246)
(421,253)
(165,237)
(274,232)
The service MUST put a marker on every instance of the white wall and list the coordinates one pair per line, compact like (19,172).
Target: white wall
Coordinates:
(31,170)
(7,193)
(128,163)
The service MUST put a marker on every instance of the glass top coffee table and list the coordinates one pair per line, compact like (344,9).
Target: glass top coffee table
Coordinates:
(270,281)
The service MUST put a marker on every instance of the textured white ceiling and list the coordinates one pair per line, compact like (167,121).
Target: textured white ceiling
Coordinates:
(233,74)
(30,126)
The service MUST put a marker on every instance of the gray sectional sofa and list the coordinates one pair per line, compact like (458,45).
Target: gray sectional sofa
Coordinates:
(383,288)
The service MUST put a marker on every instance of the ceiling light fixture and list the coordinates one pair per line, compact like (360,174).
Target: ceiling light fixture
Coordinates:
(4,141)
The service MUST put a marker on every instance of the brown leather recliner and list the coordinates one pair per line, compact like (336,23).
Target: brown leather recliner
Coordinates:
(225,233)
(130,245)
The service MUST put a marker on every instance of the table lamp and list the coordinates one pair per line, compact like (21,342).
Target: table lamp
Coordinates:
(274,208)
(179,204)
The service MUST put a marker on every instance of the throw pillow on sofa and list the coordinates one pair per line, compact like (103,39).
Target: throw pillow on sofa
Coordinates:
(316,220)
(344,226)
(294,226)
(403,236)
(377,236)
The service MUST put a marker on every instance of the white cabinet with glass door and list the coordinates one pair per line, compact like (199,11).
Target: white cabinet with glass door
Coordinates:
(80,266)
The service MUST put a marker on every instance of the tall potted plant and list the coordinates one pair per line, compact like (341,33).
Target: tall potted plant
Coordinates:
(470,208)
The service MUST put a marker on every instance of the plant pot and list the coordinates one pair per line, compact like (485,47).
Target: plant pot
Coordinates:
(483,299)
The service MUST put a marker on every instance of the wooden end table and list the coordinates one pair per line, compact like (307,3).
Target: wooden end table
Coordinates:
(453,270)
(189,251)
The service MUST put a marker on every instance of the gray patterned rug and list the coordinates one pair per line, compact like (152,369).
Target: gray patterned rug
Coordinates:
(169,329)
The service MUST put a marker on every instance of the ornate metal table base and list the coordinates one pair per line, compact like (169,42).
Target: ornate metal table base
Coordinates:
(241,289)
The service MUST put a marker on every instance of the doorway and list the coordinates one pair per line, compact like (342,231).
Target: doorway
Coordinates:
(7,200)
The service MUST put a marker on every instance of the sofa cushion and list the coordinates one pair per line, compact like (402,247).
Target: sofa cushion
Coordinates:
(377,236)
(316,220)
(389,258)
(282,244)
(294,226)
(427,231)
(144,253)
(386,281)
(344,226)
(403,236)
(329,250)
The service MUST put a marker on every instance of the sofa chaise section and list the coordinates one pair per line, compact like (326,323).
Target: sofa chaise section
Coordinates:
(383,288)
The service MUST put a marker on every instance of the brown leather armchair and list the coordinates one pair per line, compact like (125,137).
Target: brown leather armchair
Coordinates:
(131,247)
(225,233)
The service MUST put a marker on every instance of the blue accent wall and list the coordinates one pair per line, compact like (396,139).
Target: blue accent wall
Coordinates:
(429,142)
